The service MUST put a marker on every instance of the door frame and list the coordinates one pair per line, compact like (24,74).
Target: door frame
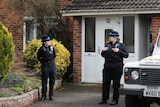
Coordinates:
(114,23)
(135,56)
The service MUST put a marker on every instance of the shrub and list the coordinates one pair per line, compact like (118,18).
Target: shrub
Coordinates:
(62,59)
(11,81)
(32,82)
(18,83)
(6,52)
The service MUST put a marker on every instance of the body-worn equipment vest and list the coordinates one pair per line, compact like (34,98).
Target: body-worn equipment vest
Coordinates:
(46,54)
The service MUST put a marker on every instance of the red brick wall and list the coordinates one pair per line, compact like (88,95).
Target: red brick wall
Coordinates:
(77,71)
(155,26)
(25,99)
(75,28)
(64,3)
(14,23)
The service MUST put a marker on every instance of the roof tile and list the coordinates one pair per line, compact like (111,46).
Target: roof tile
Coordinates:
(113,4)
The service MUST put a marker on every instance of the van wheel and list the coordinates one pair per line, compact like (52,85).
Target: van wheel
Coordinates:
(134,101)
(131,101)
(144,103)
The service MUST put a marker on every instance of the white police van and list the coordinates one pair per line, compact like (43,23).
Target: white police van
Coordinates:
(142,80)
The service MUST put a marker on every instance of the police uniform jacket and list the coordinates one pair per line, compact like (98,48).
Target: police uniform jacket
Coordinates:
(114,59)
(46,55)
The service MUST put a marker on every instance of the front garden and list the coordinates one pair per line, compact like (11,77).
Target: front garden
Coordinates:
(16,83)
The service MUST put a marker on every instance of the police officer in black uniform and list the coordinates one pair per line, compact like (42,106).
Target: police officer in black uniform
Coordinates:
(46,55)
(114,52)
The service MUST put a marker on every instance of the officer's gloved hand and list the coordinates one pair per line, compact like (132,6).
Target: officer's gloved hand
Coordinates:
(105,49)
(115,49)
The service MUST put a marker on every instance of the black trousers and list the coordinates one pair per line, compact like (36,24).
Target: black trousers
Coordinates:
(108,75)
(48,72)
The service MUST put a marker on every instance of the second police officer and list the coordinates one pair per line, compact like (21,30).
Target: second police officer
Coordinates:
(46,55)
(113,53)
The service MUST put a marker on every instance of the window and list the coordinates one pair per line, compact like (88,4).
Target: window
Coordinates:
(106,34)
(128,32)
(29,30)
(89,34)
(32,28)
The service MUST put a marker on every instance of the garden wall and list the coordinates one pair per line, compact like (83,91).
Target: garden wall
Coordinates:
(25,99)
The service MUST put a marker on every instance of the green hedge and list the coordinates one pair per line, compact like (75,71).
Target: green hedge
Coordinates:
(6,51)
(62,59)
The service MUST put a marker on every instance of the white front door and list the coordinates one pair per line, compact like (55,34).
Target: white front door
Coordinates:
(93,41)
(89,50)
(105,25)
(95,32)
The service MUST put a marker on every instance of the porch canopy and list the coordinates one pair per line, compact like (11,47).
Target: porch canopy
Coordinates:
(104,7)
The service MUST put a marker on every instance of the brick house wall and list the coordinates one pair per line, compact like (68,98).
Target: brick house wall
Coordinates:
(155,26)
(77,40)
(75,28)
(77,46)
(64,3)
(14,23)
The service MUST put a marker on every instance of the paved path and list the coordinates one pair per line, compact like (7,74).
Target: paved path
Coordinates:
(73,95)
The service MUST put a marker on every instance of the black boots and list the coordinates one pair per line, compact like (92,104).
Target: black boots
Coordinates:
(51,98)
(43,97)
(114,102)
(103,102)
